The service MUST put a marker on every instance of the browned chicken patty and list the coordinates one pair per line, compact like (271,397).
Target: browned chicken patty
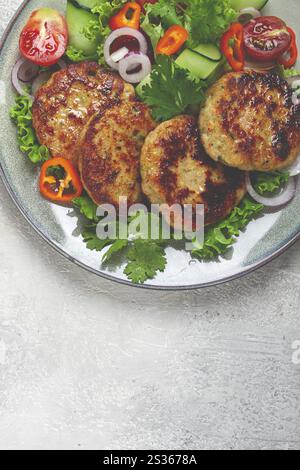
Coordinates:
(249,122)
(64,106)
(176,170)
(109,159)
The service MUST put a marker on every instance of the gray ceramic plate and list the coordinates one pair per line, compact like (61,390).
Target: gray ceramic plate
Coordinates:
(263,240)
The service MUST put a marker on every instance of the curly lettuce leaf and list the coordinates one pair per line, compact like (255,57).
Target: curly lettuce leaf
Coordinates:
(21,114)
(101,30)
(77,55)
(164,11)
(206,20)
(154,30)
(168,101)
(287,73)
(220,237)
(270,182)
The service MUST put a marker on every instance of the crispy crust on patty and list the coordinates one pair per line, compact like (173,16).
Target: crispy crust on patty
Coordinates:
(249,122)
(64,106)
(109,160)
(176,170)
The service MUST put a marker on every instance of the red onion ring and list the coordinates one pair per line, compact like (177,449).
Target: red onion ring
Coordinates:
(286,196)
(294,169)
(40,80)
(296,92)
(25,66)
(27,72)
(131,61)
(119,55)
(43,77)
(248,12)
(119,33)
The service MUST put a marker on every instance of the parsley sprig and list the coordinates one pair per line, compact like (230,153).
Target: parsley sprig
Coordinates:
(171,90)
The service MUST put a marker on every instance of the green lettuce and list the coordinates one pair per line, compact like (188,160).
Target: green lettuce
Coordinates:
(76,55)
(101,30)
(206,20)
(21,114)
(145,258)
(270,182)
(220,237)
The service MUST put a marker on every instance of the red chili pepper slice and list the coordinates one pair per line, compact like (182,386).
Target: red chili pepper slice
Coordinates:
(60,181)
(128,17)
(292,51)
(232,47)
(172,41)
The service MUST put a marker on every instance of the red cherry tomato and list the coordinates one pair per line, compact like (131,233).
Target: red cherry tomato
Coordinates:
(44,38)
(266,38)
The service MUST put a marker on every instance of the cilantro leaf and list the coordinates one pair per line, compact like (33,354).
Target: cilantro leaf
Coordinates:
(116,247)
(87,207)
(92,241)
(171,90)
(145,258)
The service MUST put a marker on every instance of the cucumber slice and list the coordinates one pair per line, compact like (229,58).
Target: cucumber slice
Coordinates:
(85,4)
(198,65)
(210,51)
(77,20)
(240,4)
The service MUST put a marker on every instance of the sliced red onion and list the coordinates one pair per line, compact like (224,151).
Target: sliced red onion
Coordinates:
(293,79)
(62,64)
(119,55)
(296,92)
(249,12)
(131,61)
(40,80)
(259,66)
(286,195)
(23,72)
(43,77)
(26,72)
(119,33)
(294,169)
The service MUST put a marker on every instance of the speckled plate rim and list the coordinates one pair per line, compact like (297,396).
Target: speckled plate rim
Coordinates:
(19,205)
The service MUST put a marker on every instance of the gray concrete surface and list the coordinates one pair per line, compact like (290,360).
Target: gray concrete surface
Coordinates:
(87,364)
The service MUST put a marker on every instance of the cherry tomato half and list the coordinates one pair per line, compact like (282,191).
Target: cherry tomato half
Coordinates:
(266,38)
(44,38)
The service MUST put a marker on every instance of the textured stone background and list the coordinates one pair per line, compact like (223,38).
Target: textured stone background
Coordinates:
(85,363)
